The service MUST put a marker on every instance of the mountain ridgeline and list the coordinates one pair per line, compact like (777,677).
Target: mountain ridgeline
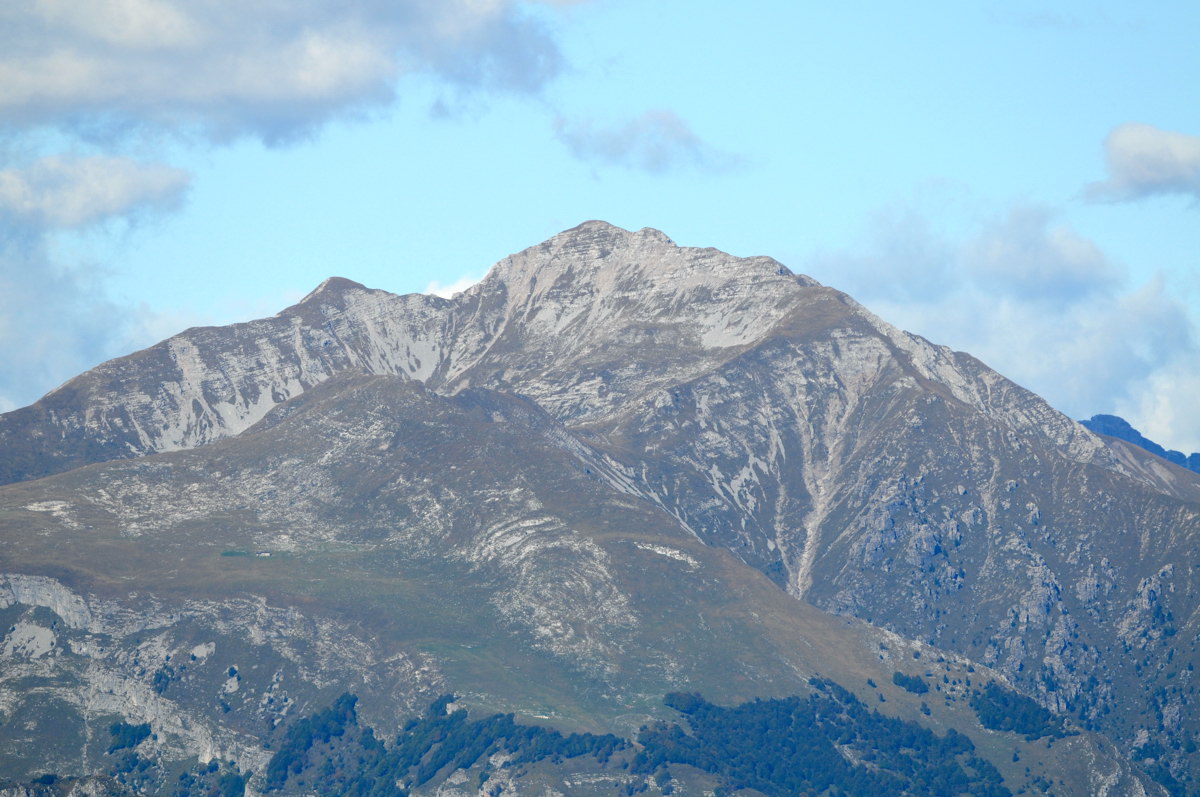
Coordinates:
(613,470)
(1115,426)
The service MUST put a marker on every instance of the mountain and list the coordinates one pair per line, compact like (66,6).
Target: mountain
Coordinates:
(613,469)
(1118,427)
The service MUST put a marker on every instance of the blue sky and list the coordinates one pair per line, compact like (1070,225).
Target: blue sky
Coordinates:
(1019,180)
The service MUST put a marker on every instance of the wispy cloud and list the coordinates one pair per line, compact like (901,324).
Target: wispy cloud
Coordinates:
(58,320)
(658,141)
(1039,18)
(1146,161)
(55,320)
(55,317)
(1043,305)
(1028,255)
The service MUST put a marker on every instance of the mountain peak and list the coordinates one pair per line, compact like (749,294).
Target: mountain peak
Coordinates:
(596,240)
(333,286)
(599,227)
(596,258)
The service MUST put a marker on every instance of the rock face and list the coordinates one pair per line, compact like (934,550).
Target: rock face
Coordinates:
(209,383)
(612,468)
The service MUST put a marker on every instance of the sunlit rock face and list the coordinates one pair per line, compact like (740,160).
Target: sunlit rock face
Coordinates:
(613,467)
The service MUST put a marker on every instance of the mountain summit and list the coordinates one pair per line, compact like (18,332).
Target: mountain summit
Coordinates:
(615,467)
(581,320)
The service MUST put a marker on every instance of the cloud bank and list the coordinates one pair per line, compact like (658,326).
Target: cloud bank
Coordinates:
(274,70)
(1041,304)
(1145,161)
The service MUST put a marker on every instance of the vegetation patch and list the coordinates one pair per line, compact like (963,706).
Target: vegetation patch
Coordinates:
(825,743)
(913,683)
(328,753)
(125,735)
(1001,709)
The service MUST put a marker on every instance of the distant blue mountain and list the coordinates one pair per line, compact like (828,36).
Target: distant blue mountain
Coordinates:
(1115,426)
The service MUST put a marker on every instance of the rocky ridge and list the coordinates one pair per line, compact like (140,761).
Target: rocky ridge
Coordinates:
(581,322)
(719,406)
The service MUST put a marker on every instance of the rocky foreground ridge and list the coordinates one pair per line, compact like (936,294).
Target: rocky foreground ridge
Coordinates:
(614,468)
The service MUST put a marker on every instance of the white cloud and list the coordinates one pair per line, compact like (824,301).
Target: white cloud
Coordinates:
(143,24)
(78,191)
(1145,161)
(271,69)
(1042,305)
(436,288)
(657,141)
